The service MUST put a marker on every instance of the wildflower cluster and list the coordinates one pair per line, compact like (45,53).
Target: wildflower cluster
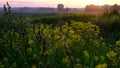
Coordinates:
(74,44)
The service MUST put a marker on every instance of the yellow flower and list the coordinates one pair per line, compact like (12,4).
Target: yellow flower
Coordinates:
(101,66)
(45,32)
(102,58)
(74,36)
(41,26)
(111,54)
(49,36)
(56,30)
(69,41)
(86,54)
(118,43)
(101,38)
(96,58)
(30,42)
(57,36)
(78,66)
(66,60)
(71,31)
(65,30)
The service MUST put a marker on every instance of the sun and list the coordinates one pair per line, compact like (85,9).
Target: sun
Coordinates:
(99,2)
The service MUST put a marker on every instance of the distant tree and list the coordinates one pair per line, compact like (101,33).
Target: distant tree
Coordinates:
(107,9)
(67,9)
(114,9)
(93,8)
(111,10)
(60,7)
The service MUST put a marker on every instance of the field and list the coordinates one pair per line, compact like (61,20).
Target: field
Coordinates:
(60,40)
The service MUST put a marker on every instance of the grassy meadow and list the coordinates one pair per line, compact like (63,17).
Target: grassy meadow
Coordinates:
(73,40)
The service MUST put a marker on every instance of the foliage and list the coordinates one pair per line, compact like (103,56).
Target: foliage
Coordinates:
(27,41)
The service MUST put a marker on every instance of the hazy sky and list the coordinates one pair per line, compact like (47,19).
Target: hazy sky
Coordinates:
(53,3)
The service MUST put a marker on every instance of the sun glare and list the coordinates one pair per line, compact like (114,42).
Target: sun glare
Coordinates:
(99,2)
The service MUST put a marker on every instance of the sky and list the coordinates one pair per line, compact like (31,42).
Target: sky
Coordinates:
(53,3)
